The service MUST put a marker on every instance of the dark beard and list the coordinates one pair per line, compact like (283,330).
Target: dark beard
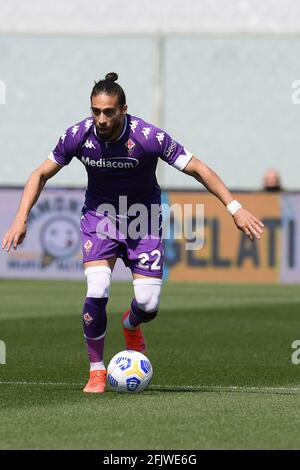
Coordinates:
(104,135)
(108,136)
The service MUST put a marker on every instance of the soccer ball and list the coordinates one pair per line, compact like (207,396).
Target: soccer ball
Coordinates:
(129,371)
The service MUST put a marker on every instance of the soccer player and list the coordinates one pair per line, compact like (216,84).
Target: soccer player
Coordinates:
(120,154)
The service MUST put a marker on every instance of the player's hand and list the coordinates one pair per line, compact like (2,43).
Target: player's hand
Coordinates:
(248,223)
(15,234)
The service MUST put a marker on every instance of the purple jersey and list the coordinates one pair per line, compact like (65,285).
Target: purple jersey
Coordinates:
(123,167)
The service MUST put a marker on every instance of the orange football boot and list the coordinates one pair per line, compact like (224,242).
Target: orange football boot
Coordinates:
(134,339)
(97,382)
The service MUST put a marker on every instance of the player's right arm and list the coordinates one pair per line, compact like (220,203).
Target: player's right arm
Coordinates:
(32,190)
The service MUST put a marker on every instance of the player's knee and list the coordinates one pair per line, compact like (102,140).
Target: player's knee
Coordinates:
(148,304)
(98,281)
(147,295)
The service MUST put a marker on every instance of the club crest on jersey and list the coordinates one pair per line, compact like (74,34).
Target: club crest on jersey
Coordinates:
(87,318)
(130,146)
(87,246)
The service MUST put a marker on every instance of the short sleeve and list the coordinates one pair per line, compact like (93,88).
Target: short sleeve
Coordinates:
(172,152)
(66,148)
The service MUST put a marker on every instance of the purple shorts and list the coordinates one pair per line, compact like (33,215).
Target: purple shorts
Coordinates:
(103,238)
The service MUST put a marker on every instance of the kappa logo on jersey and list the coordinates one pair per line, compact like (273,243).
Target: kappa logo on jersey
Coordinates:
(146,131)
(113,162)
(133,125)
(63,137)
(89,144)
(87,246)
(130,145)
(170,149)
(88,123)
(160,137)
(75,130)
(87,318)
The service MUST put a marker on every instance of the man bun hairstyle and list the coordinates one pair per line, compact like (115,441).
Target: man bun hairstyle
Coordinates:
(112,76)
(110,87)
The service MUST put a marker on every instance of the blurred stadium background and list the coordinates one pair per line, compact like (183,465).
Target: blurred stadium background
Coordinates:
(220,77)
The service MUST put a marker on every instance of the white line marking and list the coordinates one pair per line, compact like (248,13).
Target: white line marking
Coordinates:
(177,388)
(39,383)
(228,388)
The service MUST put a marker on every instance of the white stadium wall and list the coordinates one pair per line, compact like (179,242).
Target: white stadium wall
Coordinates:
(216,75)
(131,16)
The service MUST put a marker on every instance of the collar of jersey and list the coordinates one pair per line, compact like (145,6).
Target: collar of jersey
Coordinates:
(120,136)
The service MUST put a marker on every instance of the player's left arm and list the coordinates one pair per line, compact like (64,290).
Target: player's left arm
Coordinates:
(243,219)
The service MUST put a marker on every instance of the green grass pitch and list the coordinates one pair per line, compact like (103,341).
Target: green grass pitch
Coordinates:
(223,376)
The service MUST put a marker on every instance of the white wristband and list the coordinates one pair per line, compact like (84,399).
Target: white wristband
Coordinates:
(233,206)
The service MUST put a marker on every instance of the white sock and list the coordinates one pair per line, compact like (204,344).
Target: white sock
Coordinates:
(97,366)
